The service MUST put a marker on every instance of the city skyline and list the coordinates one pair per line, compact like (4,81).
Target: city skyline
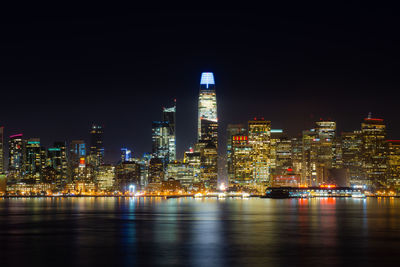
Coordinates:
(203,81)
(284,66)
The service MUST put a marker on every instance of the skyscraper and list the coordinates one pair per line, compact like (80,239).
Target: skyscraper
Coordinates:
(242,163)
(96,145)
(374,154)
(259,138)
(33,162)
(207,107)
(351,156)
(77,149)
(169,118)
(393,171)
(160,141)
(232,130)
(207,134)
(16,154)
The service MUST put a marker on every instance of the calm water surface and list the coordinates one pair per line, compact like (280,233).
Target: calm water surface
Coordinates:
(204,232)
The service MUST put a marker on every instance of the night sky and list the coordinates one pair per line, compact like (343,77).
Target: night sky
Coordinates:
(293,66)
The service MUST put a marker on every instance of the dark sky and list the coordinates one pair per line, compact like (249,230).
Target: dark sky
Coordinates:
(291,65)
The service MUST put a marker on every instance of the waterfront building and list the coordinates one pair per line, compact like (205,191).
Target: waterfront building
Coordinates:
(105,177)
(373,135)
(33,162)
(309,156)
(182,172)
(393,161)
(143,162)
(280,153)
(242,163)
(287,179)
(321,153)
(156,171)
(193,158)
(96,146)
(127,174)
(283,156)
(209,165)
(49,175)
(259,138)
(232,130)
(351,143)
(171,186)
(83,172)
(297,155)
(57,159)
(16,156)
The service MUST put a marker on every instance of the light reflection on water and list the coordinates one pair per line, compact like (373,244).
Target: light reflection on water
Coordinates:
(199,232)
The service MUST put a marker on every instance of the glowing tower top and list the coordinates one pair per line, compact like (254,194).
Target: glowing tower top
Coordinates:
(207,81)
(207,108)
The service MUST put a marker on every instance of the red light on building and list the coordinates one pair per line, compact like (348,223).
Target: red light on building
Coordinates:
(371,119)
(82,161)
(289,169)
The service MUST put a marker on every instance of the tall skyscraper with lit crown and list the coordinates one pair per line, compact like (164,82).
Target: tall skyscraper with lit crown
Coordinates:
(207,108)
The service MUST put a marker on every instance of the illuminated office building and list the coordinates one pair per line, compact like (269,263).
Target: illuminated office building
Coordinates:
(259,138)
(309,174)
(373,135)
(280,153)
(232,130)
(326,131)
(1,150)
(127,174)
(209,165)
(169,118)
(16,154)
(105,177)
(242,163)
(160,141)
(96,145)
(283,156)
(77,149)
(351,156)
(192,157)
(393,160)
(320,153)
(297,155)
(57,159)
(143,162)
(156,171)
(33,162)
(209,131)
(182,172)
(207,107)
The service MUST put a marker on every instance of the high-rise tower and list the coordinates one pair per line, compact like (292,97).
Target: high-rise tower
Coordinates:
(169,118)
(207,108)
(16,154)
(96,145)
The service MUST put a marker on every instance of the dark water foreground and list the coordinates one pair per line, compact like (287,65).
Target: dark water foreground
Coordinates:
(199,232)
